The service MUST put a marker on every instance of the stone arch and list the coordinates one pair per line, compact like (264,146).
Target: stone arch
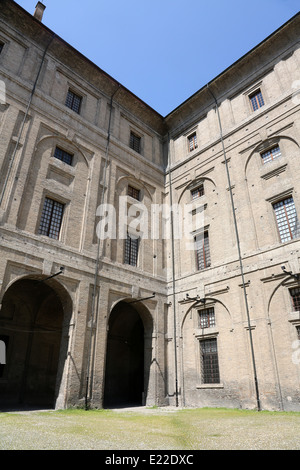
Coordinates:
(134,180)
(198,305)
(193,183)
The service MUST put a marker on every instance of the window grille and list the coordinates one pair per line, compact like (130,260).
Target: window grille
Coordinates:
(197,192)
(298,331)
(193,142)
(202,251)
(63,156)
(135,142)
(209,361)
(256,100)
(207,318)
(271,154)
(133,192)
(51,218)
(295,295)
(287,220)
(73,101)
(131,250)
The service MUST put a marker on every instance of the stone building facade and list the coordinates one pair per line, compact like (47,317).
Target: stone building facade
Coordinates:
(194,300)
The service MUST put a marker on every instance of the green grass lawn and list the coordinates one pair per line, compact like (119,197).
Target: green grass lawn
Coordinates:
(151,429)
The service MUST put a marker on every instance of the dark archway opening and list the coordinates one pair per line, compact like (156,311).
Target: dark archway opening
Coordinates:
(124,376)
(31,321)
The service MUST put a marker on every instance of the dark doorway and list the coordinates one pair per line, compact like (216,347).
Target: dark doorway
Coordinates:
(31,319)
(124,376)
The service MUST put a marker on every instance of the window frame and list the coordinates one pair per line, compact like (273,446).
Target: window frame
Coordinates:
(286,221)
(295,302)
(75,95)
(192,139)
(52,225)
(258,102)
(131,250)
(208,315)
(135,142)
(264,154)
(133,192)
(197,191)
(65,153)
(209,362)
(206,254)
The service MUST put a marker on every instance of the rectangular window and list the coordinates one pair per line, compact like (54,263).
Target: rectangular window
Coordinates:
(73,101)
(131,250)
(135,142)
(51,218)
(256,100)
(207,318)
(271,154)
(63,156)
(287,220)
(133,192)
(295,295)
(4,340)
(298,331)
(202,251)
(1,46)
(192,142)
(209,361)
(197,192)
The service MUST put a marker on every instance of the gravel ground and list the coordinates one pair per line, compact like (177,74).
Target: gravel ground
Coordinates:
(149,429)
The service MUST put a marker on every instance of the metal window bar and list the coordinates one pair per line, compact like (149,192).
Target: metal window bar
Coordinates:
(209,361)
(295,295)
(73,101)
(133,192)
(207,318)
(271,154)
(193,142)
(202,251)
(197,192)
(51,218)
(63,156)
(257,100)
(135,142)
(287,220)
(131,250)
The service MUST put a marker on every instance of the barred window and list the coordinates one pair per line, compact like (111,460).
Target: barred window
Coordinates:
(51,218)
(295,296)
(73,101)
(202,251)
(192,139)
(207,318)
(131,250)
(256,100)
(63,156)
(135,142)
(271,154)
(298,331)
(287,220)
(209,361)
(197,192)
(133,192)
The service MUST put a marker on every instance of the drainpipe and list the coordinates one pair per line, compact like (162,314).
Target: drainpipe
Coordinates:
(239,252)
(173,278)
(94,313)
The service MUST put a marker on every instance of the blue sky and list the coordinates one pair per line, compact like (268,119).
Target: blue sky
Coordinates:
(164,50)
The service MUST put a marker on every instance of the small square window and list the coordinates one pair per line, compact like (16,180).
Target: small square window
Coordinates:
(256,100)
(135,142)
(271,154)
(197,192)
(295,296)
(133,192)
(73,101)
(207,318)
(64,156)
(192,142)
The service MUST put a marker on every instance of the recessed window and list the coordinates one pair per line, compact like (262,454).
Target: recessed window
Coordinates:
(271,154)
(207,318)
(197,192)
(4,340)
(287,221)
(51,218)
(131,250)
(73,101)
(64,156)
(135,142)
(256,100)
(209,361)
(192,139)
(133,192)
(298,331)
(295,296)
(202,251)
(1,46)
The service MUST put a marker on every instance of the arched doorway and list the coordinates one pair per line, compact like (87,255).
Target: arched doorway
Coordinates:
(127,363)
(31,321)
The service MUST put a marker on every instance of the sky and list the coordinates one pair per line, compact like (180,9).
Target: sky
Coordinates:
(164,51)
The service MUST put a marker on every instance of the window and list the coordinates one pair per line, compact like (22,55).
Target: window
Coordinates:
(207,318)
(133,192)
(4,340)
(209,361)
(192,142)
(131,250)
(1,46)
(135,142)
(256,100)
(298,331)
(197,192)
(51,218)
(287,220)
(271,154)
(295,295)
(63,156)
(73,101)
(202,251)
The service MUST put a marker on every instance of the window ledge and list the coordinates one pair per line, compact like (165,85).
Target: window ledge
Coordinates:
(294,316)
(205,386)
